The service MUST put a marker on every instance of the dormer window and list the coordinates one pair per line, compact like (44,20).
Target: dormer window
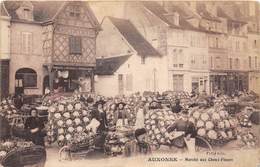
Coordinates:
(26,13)
(176,19)
(75,11)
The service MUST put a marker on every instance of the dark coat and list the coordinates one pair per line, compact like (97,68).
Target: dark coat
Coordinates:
(38,137)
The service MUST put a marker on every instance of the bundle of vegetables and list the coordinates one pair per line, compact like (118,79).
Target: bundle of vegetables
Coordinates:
(67,118)
(10,145)
(131,111)
(82,141)
(222,100)
(8,109)
(248,138)
(244,121)
(216,126)
(115,142)
(156,124)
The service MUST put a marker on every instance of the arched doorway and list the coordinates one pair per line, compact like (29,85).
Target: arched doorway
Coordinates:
(25,78)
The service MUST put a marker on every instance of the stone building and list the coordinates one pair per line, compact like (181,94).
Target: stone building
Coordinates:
(51,41)
(4,51)
(127,63)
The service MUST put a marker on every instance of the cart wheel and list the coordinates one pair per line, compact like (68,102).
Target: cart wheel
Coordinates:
(64,153)
(202,145)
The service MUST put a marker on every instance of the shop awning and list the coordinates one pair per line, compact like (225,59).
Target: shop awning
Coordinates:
(70,67)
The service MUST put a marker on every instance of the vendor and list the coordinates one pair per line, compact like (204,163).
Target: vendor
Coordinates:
(184,133)
(18,101)
(102,117)
(142,141)
(177,108)
(121,116)
(35,126)
(140,115)
(154,105)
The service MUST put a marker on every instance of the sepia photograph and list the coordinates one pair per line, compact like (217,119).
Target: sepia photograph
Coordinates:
(150,83)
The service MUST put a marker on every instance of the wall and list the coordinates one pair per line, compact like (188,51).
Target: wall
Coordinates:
(33,59)
(82,26)
(109,41)
(107,85)
(5,37)
(238,49)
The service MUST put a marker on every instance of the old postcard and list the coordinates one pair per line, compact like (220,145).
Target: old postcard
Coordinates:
(129,83)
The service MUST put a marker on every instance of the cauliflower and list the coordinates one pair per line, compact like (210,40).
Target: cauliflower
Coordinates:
(201,132)
(209,125)
(204,116)
(212,134)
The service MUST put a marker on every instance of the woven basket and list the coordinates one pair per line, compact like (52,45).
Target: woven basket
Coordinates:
(25,156)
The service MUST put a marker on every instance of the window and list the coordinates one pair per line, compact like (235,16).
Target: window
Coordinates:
(204,60)
(256,62)
(237,45)
(216,43)
(230,63)
(180,65)
(177,82)
(129,82)
(75,45)
(175,58)
(75,11)
(217,62)
(27,42)
(142,59)
(26,77)
(193,59)
(245,46)
(254,45)
(249,62)
(237,63)
(26,14)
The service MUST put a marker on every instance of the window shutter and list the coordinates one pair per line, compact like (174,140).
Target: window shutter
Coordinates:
(24,43)
(30,43)
(129,82)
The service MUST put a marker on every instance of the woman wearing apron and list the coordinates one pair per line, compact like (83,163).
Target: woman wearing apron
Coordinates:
(121,115)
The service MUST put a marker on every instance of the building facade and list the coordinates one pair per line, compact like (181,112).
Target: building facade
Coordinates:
(53,44)
(129,63)
(4,51)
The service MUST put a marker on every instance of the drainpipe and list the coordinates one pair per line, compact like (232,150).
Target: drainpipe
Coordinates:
(154,77)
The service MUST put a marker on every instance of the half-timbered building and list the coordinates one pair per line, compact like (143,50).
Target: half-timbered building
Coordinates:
(53,44)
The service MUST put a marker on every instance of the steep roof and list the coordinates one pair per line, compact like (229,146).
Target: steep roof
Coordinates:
(3,11)
(108,66)
(230,11)
(158,11)
(201,9)
(134,37)
(43,11)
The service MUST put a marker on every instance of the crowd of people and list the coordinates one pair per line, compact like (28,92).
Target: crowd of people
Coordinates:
(107,112)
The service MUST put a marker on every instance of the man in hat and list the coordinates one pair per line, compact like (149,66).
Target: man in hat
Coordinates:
(183,133)
(177,108)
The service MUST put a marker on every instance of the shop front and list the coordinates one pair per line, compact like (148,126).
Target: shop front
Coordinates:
(228,82)
(4,78)
(68,79)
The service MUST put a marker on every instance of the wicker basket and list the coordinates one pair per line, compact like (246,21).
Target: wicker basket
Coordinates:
(25,156)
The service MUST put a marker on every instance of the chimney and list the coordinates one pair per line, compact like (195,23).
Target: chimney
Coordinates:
(176,17)
(211,7)
(193,5)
